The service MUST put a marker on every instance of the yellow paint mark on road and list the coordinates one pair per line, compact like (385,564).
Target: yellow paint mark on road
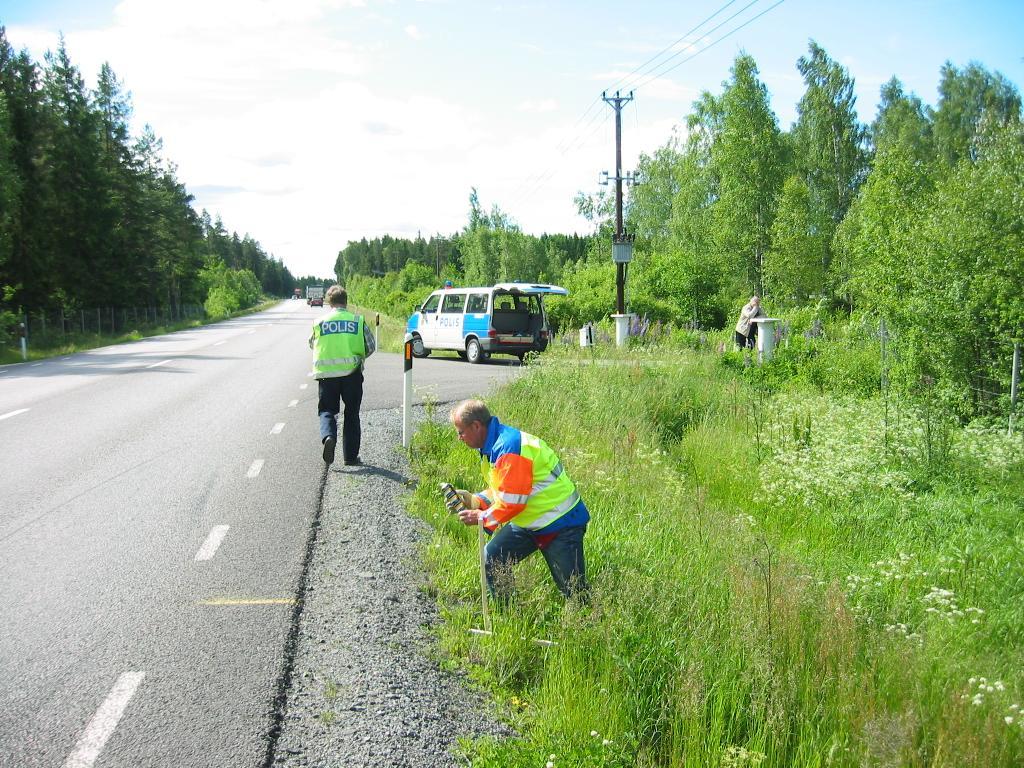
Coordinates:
(249,601)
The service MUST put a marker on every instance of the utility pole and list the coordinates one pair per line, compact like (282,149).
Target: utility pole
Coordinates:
(622,244)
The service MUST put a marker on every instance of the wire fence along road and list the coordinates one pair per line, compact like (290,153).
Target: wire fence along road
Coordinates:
(54,326)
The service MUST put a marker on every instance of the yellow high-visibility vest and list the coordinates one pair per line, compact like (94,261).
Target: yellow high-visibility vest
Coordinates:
(338,344)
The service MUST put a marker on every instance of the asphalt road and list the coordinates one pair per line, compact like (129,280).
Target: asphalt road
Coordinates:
(155,505)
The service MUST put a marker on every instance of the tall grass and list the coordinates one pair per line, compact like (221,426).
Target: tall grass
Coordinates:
(778,579)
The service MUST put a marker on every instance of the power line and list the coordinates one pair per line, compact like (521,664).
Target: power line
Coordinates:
(571,139)
(731,32)
(537,181)
(668,48)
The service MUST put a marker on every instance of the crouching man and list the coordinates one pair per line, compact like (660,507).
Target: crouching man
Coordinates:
(529,495)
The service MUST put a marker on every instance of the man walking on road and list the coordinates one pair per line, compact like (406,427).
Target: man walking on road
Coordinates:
(341,342)
(529,491)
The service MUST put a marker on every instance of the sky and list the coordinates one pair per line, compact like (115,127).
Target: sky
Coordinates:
(310,123)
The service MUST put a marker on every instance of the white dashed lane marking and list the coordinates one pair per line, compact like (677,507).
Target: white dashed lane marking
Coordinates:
(293,403)
(219,343)
(103,723)
(154,365)
(255,468)
(213,541)
(13,413)
(276,429)
(303,386)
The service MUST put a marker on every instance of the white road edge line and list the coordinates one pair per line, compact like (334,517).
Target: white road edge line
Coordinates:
(103,723)
(293,403)
(13,413)
(213,541)
(154,365)
(276,429)
(255,468)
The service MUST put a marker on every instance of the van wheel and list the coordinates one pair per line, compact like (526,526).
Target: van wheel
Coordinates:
(473,352)
(418,350)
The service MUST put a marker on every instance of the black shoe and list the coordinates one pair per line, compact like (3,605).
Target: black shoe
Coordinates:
(330,443)
(353,462)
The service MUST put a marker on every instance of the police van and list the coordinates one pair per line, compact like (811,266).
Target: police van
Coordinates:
(504,319)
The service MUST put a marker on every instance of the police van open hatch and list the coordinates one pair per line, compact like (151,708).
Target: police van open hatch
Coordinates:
(505,319)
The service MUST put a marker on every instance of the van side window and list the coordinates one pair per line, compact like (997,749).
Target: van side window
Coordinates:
(477,303)
(430,305)
(453,302)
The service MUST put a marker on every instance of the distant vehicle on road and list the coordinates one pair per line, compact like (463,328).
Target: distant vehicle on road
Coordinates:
(503,319)
(297,294)
(315,295)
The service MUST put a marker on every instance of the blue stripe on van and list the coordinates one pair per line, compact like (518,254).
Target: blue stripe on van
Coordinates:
(476,324)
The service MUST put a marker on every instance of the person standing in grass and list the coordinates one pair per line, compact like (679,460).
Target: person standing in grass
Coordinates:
(746,329)
(529,495)
(341,342)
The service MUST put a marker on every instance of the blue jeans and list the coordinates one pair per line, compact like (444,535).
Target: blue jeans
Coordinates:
(563,552)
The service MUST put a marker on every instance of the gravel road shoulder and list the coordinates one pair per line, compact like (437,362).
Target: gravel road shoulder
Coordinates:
(363,690)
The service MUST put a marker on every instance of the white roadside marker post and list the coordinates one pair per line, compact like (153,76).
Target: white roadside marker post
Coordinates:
(407,391)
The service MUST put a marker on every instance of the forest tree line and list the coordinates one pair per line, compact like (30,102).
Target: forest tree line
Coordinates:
(395,274)
(91,216)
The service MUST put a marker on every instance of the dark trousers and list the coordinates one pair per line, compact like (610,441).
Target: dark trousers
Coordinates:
(334,392)
(563,552)
(747,342)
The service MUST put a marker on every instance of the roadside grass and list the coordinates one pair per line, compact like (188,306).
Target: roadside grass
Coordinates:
(392,330)
(80,342)
(778,579)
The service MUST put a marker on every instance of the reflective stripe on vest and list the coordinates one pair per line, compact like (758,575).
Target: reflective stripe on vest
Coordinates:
(552,494)
(339,345)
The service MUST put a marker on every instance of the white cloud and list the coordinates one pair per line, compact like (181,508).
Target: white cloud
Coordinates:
(413,31)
